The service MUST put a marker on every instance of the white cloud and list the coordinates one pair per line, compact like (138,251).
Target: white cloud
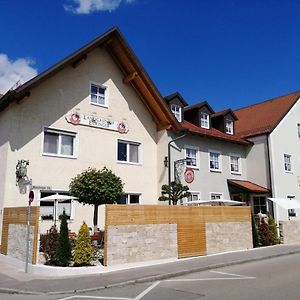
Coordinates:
(14,71)
(89,6)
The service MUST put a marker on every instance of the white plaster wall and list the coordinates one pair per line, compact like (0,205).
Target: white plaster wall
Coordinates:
(206,181)
(47,106)
(284,139)
(257,161)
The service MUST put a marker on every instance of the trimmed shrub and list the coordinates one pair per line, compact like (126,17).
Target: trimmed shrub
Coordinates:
(273,229)
(63,246)
(83,252)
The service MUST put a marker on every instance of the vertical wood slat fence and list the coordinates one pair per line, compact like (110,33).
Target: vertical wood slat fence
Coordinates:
(18,216)
(190,220)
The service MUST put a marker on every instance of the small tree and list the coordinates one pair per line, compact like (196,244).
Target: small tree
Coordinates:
(83,252)
(174,192)
(96,187)
(63,246)
(254,232)
(273,229)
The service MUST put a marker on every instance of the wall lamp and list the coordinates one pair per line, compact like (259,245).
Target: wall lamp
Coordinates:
(166,161)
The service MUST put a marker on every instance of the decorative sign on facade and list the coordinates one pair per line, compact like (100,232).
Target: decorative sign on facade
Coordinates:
(92,121)
(189,175)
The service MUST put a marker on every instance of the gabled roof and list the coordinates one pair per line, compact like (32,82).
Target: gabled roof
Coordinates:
(199,106)
(176,95)
(248,186)
(213,133)
(224,113)
(262,118)
(132,69)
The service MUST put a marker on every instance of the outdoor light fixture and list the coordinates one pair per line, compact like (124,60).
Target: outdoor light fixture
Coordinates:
(21,170)
(166,161)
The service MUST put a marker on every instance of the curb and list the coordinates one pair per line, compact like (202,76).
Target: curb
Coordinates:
(150,278)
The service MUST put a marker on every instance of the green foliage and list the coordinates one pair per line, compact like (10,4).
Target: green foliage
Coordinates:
(254,233)
(264,234)
(48,245)
(174,192)
(96,187)
(273,229)
(63,246)
(83,252)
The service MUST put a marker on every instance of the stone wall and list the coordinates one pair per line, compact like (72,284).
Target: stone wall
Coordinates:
(136,243)
(289,232)
(228,236)
(17,241)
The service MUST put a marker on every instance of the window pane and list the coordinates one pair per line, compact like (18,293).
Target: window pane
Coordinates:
(134,153)
(123,199)
(47,210)
(134,199)
(51,143)
(67,144)
(122,151)
(94,89)
(64,206)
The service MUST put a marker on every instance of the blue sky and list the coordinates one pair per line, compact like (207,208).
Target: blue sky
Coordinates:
(231,53)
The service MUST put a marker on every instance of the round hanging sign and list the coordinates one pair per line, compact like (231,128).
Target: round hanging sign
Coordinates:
(189,175)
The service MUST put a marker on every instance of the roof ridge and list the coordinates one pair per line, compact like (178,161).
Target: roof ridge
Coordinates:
(268,100)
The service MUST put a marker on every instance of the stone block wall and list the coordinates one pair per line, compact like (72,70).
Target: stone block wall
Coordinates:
(289,232)
(17,241)
(228,236)
(137,243)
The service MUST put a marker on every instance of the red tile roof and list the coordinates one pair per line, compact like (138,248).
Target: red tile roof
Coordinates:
(263,117)
(213,133)
(249,186)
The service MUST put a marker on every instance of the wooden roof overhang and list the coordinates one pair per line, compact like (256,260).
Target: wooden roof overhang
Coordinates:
(124,57)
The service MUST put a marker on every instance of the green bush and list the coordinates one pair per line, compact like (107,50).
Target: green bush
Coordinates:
(273,229)
(265,236)
(48,245)
(63,246)
(83,252)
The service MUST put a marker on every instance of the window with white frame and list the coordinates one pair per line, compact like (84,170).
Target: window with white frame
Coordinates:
(176,110)
(204,120)
(229,126)
(128,152)
(298,128)
(195,196)
(191,153)
(59,143)
(214,161)
(287,162)
(99,94)
(130,198)
(216,196)
(259,205)
(235,164)
(291,211)
(49,209)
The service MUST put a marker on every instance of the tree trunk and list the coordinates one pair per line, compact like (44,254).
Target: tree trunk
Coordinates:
(95,217)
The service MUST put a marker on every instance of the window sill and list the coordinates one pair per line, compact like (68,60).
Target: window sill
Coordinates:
(288,172)
(236,173)
(128,163)
(59,156)
(100,105)
(215,171)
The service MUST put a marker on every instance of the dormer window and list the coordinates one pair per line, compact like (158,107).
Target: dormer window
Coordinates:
(204,118)
(229,126)
(176,110)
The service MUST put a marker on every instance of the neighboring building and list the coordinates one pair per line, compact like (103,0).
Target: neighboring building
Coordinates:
(96,108)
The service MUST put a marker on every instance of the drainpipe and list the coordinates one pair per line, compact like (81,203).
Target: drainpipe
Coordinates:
(169,156)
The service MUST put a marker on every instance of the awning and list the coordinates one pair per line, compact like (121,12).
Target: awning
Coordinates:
(286,203)
(248,186)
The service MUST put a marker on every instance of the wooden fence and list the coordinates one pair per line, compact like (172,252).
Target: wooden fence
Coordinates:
(190,220)
(18,216)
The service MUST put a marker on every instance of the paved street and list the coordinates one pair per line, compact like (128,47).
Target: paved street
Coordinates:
(276,278)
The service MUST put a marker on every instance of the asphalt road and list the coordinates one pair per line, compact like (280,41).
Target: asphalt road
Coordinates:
(276,278)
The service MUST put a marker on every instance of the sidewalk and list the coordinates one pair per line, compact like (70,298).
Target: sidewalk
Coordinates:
(13,280)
